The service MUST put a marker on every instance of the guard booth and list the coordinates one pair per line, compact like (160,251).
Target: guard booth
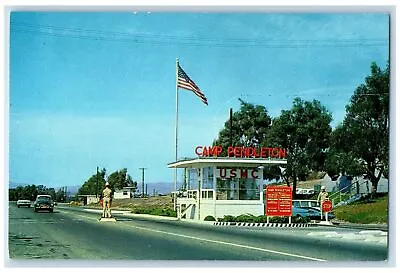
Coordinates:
(217,186)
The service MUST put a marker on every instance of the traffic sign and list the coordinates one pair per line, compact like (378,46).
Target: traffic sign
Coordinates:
(278,201)
(327,206)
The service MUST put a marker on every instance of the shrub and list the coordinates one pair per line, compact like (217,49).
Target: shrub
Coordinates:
(228,218)
(261,219)
(155,211)
(209,218)
(277,219)
(300,219)
(247,218)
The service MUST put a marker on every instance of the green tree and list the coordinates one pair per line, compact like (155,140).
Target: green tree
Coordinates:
(364,133)
(28,192)
(120,179)
(337,160)
(94,185)
(304,131)
(249,127)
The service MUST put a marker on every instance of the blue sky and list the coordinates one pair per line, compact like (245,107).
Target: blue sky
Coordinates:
(98,89)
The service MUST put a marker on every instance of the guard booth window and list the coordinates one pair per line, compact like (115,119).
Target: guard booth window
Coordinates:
(208,177)
(192,179)
(237,189)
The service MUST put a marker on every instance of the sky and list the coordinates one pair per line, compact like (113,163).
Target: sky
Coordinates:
(90,89)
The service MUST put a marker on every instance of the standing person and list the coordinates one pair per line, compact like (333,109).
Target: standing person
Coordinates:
(107,201)
(321,198)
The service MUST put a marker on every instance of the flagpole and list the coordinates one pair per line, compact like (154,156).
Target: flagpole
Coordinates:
(176,131)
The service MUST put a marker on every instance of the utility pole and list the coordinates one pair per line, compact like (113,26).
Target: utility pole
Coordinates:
(230,127)
(97,180)
(142,180)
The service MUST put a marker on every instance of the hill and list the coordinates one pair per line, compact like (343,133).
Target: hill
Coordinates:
(365,211)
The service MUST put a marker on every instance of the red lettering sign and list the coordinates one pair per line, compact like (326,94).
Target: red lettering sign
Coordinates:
(249,152)
(278,201)
(208,151)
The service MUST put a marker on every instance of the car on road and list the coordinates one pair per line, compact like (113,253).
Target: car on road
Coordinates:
(43,202)
(23,203)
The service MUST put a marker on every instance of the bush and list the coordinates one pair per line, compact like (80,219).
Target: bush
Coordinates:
(277,219)
(155,211)
(247,218)
(209,218)
(227,218)
(300,219)
(261,219)
(74,203)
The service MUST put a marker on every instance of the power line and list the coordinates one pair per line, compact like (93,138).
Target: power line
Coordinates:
(158,39)
(47,27)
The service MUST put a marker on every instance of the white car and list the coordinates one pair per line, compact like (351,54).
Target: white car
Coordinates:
(24,203)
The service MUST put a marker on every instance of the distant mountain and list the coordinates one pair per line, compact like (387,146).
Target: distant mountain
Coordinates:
(71,190)
(158,187)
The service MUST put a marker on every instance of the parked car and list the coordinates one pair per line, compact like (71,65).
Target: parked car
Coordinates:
(43,202)
(23,203)
(308,208)
(306,203)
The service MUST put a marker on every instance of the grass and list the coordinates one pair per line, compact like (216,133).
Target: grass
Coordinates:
(338,198)
(365,212)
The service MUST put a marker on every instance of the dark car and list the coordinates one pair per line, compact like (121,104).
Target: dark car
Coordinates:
(43,202)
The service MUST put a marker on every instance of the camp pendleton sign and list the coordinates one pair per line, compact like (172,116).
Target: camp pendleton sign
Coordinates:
(251,152)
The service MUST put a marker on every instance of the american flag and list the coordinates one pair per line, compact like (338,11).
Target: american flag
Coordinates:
(186,83)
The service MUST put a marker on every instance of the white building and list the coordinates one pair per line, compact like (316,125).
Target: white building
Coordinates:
(364,186)
(222,186)
(124,193)
(331,186)
(89,199)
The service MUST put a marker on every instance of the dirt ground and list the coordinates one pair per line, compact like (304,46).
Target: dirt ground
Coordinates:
(148,202)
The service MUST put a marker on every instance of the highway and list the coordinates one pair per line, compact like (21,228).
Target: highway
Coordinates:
(76,234)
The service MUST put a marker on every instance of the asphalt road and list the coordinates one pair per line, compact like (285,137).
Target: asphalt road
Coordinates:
(71,233)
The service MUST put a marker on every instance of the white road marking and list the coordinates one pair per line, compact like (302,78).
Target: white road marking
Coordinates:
(230,244)
(374,232)
(83,216)
(364,235)
(100,211)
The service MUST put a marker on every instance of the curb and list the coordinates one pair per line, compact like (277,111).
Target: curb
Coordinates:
(261,224)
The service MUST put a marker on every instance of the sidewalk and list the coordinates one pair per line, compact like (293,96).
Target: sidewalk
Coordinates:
(383,227)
